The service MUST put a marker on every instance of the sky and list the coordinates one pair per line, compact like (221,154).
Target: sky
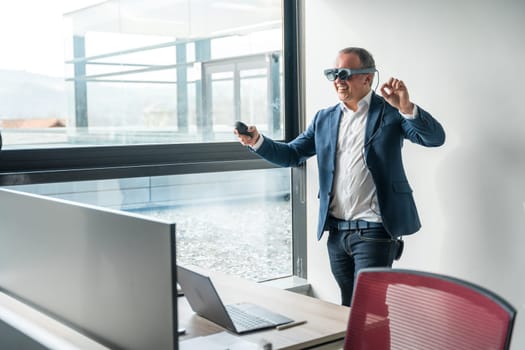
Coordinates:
(32,34)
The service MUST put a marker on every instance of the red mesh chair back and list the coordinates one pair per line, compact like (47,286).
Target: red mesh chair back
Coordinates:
(411,310)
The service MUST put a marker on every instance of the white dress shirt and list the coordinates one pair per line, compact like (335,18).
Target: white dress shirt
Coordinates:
(354,191)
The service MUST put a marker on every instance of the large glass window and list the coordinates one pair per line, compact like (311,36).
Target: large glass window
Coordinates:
(120,102)
(138,72)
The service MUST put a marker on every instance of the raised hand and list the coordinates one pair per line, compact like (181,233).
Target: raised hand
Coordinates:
(396,93)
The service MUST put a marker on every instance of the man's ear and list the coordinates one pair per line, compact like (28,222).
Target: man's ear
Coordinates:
(367,80)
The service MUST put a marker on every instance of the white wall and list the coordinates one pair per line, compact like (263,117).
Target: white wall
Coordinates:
(464,62)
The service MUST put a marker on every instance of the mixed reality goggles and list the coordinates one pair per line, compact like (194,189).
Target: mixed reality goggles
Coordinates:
(345,73)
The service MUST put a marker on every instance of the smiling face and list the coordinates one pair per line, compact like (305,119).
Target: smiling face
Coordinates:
(352,90)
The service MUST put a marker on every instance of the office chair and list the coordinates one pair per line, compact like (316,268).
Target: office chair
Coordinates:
(412,310)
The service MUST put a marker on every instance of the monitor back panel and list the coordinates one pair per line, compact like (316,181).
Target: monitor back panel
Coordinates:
(109,274)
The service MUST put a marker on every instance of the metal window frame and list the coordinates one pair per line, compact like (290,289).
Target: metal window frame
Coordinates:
(294,120)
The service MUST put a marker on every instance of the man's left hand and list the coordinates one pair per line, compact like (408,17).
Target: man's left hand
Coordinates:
(396,93)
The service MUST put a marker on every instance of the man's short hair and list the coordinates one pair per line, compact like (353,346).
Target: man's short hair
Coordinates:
(367,61)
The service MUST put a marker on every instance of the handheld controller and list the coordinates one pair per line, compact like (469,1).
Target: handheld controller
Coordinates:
(242,129)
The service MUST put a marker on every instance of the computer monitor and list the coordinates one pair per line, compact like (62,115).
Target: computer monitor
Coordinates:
(109,274)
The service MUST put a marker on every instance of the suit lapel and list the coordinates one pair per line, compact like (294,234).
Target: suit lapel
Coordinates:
(372,122)
(335,118)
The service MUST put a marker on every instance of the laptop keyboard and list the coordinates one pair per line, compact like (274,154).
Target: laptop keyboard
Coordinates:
(244,320)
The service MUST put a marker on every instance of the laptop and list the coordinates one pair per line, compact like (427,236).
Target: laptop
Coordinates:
(239,318)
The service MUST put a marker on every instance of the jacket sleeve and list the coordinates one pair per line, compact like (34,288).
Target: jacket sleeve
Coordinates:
(424,129)
(289,154)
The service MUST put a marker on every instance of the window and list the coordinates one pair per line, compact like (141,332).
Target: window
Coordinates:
(120,91)
(237,222)
(141,72)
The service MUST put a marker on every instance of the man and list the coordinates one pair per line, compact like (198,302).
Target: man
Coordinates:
(366,201)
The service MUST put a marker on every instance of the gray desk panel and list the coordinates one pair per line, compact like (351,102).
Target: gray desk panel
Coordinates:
(103,272)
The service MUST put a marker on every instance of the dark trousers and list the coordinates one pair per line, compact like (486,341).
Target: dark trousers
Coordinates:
(351,250)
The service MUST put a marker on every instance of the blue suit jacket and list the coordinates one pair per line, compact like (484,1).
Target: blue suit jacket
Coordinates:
(386,130)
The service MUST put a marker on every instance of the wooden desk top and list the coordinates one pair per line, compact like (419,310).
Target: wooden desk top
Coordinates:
(326,322)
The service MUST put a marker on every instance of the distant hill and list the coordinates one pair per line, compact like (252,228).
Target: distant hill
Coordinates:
(30,95)
(25,95)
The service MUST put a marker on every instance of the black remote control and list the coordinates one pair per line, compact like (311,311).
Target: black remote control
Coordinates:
(242,129)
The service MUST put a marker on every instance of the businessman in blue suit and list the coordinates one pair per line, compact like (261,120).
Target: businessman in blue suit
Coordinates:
(366,202)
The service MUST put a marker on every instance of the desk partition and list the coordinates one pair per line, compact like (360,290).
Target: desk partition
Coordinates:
(110,275)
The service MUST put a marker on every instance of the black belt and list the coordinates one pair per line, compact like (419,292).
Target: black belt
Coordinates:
(342,225)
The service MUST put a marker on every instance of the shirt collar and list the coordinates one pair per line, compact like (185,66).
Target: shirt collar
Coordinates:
(365,101)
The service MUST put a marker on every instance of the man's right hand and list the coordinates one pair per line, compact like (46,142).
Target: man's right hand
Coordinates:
(246,140)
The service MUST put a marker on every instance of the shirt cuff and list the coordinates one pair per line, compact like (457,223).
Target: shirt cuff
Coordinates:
(258,144)
(411,115)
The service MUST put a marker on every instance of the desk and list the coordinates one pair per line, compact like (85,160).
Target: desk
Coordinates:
(326,322)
